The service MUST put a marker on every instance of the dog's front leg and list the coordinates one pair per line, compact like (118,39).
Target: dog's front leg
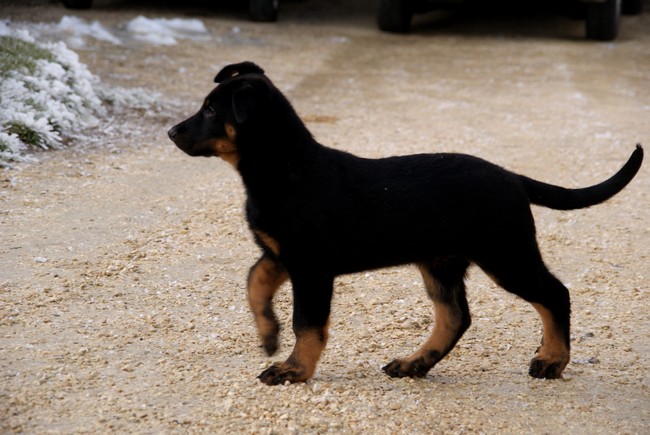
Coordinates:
(264,279)
(311,310)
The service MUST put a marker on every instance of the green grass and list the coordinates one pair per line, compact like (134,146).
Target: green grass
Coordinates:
(26,134)
(19,55)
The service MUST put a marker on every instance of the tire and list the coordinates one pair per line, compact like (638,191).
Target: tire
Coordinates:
(78,4)
(602,20)
(263,10)
(575,10)
(395,15)
(632,7)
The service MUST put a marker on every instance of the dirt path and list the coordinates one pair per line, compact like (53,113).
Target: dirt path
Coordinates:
(122,299)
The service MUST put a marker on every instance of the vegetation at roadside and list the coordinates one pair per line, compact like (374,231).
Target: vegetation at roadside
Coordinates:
(49,98)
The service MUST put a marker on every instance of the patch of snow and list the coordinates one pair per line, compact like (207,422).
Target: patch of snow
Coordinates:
(11,147)
(57,96)
(4,28)
(55,100)
(70,29)
(77,28)
(163,31)
(75,31)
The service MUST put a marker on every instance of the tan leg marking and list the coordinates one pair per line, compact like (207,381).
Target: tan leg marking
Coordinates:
(264,280)
(553,348)
(447,322)
(268,241)
(301,364)
(308,349)
(444,333)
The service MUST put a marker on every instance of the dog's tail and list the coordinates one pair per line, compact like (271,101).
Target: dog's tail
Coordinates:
(561,198)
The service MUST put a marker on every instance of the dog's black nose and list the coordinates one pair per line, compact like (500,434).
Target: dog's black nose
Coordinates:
(172,133)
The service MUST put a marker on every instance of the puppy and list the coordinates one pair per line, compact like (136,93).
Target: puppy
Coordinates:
(317,213)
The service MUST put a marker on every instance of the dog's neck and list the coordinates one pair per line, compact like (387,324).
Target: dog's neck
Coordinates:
(274,175)
(276,150)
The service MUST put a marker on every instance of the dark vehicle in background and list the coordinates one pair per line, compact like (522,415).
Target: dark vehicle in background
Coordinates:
(601,16)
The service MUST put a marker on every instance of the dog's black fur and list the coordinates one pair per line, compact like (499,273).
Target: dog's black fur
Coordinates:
(318,213)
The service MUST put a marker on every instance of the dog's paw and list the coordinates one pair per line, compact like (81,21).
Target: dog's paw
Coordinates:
(279,373)
(544,369)
(416,368)
(270,344)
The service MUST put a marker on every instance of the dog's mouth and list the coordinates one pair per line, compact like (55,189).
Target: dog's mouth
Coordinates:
(224,147)
(221,147)
(197,150)
(188,147)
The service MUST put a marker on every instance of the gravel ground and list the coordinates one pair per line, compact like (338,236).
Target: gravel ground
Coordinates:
(122,285)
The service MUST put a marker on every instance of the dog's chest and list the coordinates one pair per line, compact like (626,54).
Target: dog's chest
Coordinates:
(266,225)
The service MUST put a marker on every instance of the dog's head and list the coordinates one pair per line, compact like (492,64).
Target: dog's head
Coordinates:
(241,96)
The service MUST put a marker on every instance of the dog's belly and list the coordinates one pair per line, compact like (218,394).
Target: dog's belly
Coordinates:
(381,250)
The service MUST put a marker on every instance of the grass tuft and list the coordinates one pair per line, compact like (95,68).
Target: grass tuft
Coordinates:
(21,56)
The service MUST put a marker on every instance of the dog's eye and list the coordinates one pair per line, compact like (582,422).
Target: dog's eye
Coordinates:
(208,111)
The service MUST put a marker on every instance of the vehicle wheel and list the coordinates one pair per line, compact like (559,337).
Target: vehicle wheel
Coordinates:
(78,4)
(602,20)
(263,10)
(632,7)
(575,10)
(395,15)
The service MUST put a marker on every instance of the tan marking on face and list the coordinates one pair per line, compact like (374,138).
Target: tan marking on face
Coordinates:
(268,241)
(553,346)
(226,150)
(226,147)
(231,132)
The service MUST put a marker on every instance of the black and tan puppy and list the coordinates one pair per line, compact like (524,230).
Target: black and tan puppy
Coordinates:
(318,213)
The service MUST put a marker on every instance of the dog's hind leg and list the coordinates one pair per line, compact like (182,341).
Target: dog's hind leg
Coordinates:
(311,309)
(532,281)
(264,279)
(444,281)
(554,353)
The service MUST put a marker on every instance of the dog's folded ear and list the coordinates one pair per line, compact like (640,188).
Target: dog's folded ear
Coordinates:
(237,69)
(243,102)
